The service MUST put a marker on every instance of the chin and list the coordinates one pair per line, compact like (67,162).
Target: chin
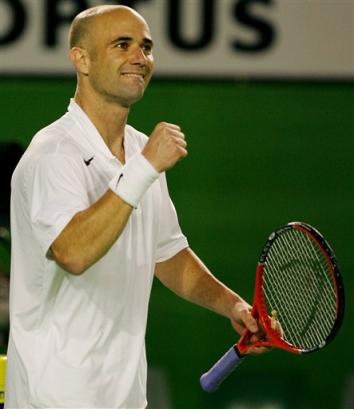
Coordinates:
(132,98)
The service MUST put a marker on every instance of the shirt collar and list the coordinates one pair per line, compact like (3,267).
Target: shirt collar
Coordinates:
(90,133)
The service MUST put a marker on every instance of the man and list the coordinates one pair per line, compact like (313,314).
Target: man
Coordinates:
(92,223)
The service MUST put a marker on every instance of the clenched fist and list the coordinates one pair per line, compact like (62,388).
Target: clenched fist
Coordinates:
(165,147)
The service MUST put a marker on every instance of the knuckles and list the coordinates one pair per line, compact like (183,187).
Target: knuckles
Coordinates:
(166,145)
(166,126)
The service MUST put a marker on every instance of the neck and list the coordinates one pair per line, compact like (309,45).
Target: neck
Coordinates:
(109,119)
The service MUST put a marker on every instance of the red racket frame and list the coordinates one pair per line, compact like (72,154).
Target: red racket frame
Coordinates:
(259,310)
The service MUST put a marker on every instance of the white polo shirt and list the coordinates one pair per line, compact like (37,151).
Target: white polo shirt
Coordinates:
(79,341)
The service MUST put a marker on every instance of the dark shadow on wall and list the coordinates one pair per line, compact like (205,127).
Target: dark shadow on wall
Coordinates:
(10,154)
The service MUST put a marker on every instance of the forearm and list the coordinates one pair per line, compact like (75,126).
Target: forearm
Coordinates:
(187,276)
(91,233)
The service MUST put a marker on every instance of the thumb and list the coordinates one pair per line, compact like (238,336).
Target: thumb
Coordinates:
(242,318)
(251,323)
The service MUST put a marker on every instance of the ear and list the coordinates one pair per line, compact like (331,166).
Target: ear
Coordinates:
(81,60)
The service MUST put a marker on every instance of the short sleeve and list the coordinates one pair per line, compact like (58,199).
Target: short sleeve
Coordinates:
(56,192)
(171,240)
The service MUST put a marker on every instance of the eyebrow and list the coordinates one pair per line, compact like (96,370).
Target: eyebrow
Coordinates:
(146,40)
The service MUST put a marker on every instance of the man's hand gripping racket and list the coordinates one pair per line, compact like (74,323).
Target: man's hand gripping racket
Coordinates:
(298,299)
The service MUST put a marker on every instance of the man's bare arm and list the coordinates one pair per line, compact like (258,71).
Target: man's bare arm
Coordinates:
(92,232)
(188,277)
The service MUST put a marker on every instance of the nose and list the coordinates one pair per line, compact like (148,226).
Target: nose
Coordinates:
(139,57)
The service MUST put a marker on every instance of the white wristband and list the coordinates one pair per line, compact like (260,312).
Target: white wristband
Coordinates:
(134,179)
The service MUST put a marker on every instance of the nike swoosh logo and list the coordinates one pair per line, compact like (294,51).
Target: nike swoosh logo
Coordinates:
(120,177)
(88,161)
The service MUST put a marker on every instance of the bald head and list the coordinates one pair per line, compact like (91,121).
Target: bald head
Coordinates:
(111,49)
(82,25)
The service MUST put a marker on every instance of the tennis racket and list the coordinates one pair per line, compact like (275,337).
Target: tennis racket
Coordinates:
(298,284)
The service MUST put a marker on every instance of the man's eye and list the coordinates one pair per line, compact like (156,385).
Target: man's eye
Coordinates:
(147,48)
(124,46)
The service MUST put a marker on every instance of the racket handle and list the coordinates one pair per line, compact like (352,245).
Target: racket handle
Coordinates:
(211,380)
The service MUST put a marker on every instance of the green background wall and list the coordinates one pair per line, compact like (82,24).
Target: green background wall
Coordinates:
(260,155)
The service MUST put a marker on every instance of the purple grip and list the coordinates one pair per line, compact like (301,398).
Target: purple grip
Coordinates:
(212,379)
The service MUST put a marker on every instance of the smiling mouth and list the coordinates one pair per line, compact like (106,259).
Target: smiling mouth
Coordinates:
(133,75)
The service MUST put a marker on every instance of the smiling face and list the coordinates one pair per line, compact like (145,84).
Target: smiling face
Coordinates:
(119,61)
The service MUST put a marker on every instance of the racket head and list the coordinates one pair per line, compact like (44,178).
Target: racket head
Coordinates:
(298,277)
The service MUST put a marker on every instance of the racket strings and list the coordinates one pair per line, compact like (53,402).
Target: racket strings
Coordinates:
(298,284)
(302,306)
(289,311)
(298,306)
(293,328)
(304,290)
(313,280)
(325,294)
